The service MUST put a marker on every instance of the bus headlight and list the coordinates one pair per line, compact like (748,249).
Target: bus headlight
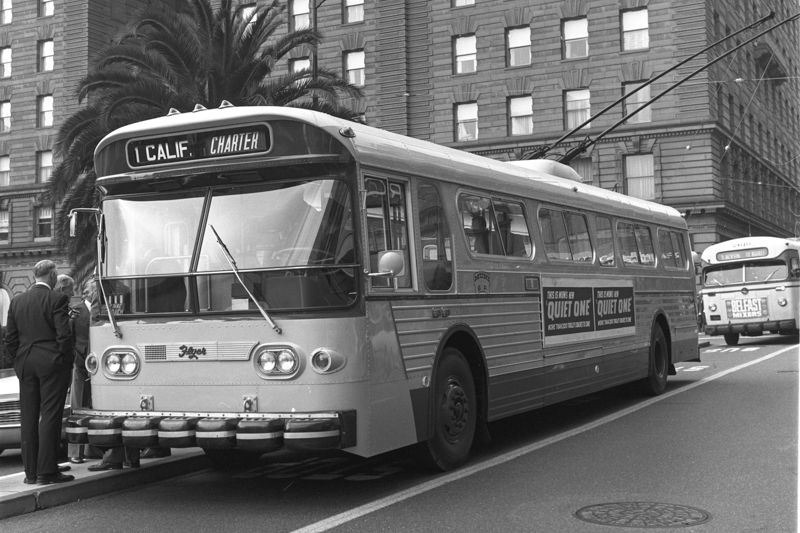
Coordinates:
(112,363)
(782,302)
(277,362)
(91,363)
(130,364)
(326,361)
(287,361)
(712,307)
(121,364)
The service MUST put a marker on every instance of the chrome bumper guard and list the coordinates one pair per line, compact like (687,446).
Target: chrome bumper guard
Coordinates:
(307,432)
(787,326)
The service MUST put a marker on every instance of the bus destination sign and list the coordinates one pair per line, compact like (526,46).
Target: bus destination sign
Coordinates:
(738,255)
(197,146)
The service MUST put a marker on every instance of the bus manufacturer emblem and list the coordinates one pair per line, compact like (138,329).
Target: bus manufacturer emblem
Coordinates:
(190,352)
(481,281)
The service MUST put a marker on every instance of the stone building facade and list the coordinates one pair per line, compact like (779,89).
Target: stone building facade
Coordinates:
(493,77)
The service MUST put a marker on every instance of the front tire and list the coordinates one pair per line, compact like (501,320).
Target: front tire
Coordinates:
(731,339)
(453,413)
(656,380)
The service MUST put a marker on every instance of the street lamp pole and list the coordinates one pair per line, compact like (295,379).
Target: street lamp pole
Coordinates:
(313,7)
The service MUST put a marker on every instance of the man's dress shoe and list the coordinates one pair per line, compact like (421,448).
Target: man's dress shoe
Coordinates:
(102,465)
(49,479)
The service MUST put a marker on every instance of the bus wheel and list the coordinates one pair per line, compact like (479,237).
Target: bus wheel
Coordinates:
(731,339)
(454,413)
(656,380)
(221,459)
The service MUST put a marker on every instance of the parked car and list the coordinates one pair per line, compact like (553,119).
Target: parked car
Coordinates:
(10,436)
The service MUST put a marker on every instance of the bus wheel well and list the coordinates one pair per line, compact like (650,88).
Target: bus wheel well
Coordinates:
(471,350)
(661,321)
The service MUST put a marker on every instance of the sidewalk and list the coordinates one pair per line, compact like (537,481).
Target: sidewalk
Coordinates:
(18,498)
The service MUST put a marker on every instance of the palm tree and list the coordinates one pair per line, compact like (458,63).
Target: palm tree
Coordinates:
(177,58)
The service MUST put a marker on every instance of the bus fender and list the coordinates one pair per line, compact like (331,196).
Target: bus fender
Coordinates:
(463,338)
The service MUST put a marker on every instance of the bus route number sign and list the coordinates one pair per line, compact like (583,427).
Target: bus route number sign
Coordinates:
(198,146)
(737,255)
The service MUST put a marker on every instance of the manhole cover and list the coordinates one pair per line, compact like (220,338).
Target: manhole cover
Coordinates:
(643,514)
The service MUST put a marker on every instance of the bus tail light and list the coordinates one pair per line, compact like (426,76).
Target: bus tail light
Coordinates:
(326,361)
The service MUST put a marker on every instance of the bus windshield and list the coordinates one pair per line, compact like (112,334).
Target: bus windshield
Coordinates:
(749,272)
(274,231)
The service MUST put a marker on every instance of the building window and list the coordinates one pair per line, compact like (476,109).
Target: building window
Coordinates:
(5,11)
(519,47)
(354,67)
(466,48)
(5,62)
(353,11)
(5,116)
(635,34)
(577,108)
(301,15)
(5,171)
(301,63)
(45,105)
(46,54)
(640,176)
(520,113)
(4,226)
(467,122)
(44,165)
(46,8)
(459,3)
(635,101)
(583,166)
(576,38)
(44,223)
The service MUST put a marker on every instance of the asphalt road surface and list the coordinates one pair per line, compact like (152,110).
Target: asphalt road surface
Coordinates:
(716,453)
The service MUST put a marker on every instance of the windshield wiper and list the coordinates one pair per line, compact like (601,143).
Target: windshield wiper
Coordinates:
(232,262)
(771,273)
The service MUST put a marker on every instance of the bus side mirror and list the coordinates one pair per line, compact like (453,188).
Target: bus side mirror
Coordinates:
(391,263)
(72,223)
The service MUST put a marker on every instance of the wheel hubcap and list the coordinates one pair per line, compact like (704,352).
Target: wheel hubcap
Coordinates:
(455,410)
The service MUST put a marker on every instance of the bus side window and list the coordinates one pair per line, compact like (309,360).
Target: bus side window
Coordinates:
(579,241)
(513,228)
(605,241)
(627,241)
(480,225)
(644,241)
(437,259)
(554,233)
(387,226)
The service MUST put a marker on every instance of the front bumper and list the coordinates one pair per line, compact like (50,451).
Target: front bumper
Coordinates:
(781,326)
(305,432)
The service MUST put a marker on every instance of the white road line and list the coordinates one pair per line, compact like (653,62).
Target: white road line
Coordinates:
(358,512)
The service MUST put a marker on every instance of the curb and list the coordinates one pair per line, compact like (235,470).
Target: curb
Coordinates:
(98,484)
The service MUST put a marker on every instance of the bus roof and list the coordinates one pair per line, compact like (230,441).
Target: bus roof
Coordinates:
(748,248)
(377,149)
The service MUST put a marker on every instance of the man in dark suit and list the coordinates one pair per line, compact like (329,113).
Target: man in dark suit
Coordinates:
(39,341)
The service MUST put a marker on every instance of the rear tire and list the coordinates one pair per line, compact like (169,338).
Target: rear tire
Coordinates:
(656,380)
(731,339)
(453,413)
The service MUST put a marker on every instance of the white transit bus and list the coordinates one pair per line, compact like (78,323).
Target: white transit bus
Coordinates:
(751,286)
(279,278)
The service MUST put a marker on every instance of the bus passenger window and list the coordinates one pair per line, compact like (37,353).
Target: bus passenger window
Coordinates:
(645,242)
(437,259)
(554,233)
(480,225)
(627,241)
(513,228)
(579,241)
(671,249)
(605,241)
(387,226)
